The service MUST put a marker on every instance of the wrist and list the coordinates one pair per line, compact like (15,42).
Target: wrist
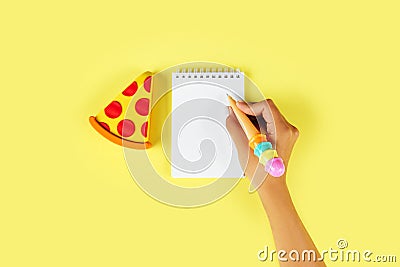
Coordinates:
(274,187)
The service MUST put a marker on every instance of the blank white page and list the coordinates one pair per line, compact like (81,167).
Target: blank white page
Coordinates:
(201,146)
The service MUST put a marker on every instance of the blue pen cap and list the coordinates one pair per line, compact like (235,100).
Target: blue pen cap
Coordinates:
(261,147)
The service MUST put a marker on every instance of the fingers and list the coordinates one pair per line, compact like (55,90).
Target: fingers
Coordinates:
(262,124)
(276,114)
(255,109)
(267,109)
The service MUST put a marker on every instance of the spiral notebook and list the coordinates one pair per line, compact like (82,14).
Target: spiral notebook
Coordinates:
(201,146)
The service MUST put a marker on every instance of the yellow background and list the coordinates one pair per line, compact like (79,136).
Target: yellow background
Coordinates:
(66,196)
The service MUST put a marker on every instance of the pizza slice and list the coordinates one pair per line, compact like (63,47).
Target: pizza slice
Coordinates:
(126,120)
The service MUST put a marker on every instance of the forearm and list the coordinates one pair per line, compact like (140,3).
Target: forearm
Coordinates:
(288,230)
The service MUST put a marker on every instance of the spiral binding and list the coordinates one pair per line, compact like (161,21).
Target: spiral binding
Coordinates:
(207,73)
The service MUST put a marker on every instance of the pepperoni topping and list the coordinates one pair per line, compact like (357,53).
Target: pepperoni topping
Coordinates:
(126,128)
(142,106)
(147,83)
(144,129)
(113,110)
(131,89)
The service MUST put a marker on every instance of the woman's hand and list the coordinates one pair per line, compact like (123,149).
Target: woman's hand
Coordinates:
(278,130)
